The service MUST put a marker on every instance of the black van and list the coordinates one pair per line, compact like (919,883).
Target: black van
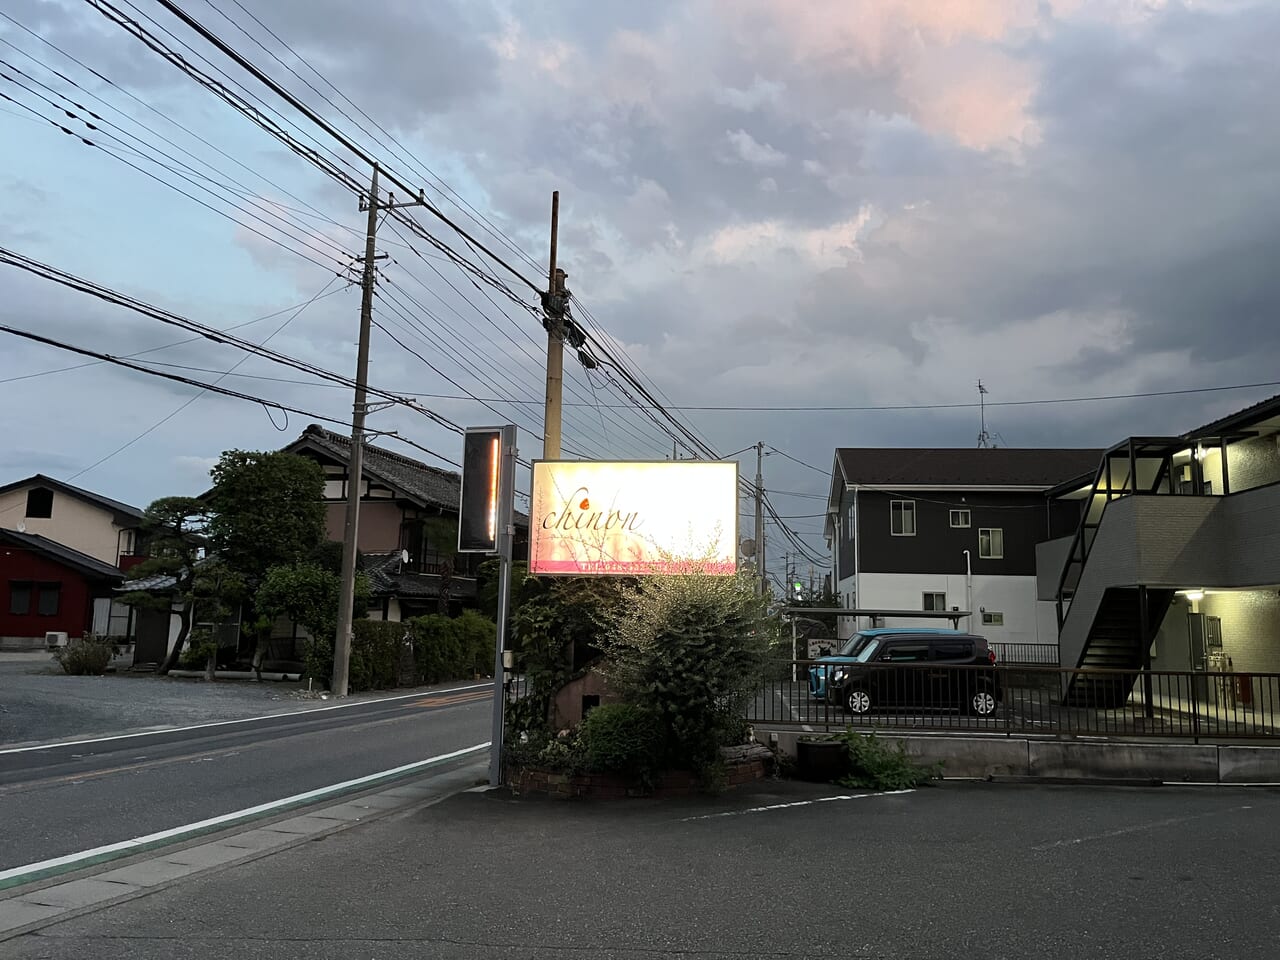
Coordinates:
(929,669)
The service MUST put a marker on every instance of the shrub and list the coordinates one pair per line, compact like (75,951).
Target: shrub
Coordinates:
(690,649)
(201,645)
(624,739)
(878,766)
(452,649)
(375,654)
(85,657)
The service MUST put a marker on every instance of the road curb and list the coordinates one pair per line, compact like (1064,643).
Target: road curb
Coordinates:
(43,902)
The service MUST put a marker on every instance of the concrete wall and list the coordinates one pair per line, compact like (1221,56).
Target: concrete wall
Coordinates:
(965,757)
(1051,558)
(73,523)
(379,524)
(1250,628)
(1014,597)
(1253,463)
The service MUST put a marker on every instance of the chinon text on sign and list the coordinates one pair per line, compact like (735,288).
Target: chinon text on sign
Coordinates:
(633,518)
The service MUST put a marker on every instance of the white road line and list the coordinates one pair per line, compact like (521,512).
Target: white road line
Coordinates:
(203,825)
(226,723)
(796,803)
(1137,828)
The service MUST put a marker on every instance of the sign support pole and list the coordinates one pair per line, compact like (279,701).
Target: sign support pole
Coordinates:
(506,538)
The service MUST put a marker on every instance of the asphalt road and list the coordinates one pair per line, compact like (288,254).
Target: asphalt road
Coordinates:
(67,798)
(39,703)
(958,870)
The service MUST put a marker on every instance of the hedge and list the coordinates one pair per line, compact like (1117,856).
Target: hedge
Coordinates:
(444,649)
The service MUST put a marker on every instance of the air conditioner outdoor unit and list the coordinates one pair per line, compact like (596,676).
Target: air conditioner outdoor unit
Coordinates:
(55,638)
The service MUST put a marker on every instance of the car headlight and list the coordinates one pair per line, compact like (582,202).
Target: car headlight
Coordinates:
(837,676)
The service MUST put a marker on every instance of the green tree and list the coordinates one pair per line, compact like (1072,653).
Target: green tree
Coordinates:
(267,510)
(307,593)
(171,530)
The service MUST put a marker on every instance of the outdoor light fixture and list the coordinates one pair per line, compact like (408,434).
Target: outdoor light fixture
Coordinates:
(1193,595)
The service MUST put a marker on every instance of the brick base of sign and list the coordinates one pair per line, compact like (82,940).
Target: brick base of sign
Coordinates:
(744,765)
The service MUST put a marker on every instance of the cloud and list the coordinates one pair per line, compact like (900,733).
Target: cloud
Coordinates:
(872,200)
(749,150)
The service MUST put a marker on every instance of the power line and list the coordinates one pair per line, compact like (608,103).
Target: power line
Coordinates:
(785,455)
(192,399)
(329,129)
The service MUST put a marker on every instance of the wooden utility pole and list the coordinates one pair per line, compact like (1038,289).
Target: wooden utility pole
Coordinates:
(554,307)
(355,463)
(760,568)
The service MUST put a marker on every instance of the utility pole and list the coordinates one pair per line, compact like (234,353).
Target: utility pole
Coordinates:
(554,303)
(355,466)
(760,568)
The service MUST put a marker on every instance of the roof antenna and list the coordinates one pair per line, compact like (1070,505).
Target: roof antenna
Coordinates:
(984,438)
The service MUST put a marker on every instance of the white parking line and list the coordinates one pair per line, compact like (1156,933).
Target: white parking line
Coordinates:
(203,826)
(227,723)
(796,803)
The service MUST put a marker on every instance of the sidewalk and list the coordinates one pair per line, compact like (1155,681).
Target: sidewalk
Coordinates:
(782,870)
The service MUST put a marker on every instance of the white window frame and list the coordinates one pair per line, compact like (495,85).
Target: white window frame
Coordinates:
(992,553)
(992,618)
(964,516)
(924,601)
(900,507)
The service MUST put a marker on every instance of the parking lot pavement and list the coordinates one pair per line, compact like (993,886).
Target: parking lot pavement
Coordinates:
(38,702)
(783,870)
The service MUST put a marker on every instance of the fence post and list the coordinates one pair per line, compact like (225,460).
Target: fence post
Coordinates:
(1008,705)
(1195,709)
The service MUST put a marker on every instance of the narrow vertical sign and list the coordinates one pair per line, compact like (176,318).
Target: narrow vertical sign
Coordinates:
(480,507)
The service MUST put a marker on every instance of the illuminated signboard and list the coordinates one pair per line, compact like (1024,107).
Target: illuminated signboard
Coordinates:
(633,518)
(479,509)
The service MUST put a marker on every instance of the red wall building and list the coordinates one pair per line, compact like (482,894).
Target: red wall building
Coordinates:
(47,587)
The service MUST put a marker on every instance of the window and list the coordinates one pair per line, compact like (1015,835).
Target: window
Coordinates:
(990,543)
(19,597)
(902,518)
(39,503)
(49,595)
(953,650)
(960,518)
(934,601)
(992,619)
(907,653)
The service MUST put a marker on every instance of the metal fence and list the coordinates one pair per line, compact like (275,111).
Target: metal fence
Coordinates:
(1037,654)
(1021,701)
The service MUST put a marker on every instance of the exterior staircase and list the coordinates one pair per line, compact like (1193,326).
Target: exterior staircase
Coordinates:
(1116,642)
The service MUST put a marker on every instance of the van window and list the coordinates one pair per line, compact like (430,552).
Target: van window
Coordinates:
(907,652)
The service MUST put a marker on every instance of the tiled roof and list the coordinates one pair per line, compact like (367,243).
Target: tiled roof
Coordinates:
(429,486)
(90,566)
(413,479)
(387,580)
(964,467)
(123,511)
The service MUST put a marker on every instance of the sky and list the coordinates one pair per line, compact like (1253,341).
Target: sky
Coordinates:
(859,203)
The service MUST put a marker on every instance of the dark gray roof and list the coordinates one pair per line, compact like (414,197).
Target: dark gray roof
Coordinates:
(426,485)
(429,486)
(964,466)
(91,567)
(387,580)
(1262,410)
(122,511)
